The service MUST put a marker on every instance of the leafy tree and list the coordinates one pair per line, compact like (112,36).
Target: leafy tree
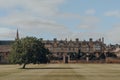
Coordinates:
(28,50)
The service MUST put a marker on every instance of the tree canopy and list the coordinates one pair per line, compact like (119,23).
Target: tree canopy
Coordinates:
(28,50)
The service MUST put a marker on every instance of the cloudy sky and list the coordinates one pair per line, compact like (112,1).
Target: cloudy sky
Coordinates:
(61,19)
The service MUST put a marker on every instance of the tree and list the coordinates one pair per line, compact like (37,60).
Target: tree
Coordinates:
(28,50)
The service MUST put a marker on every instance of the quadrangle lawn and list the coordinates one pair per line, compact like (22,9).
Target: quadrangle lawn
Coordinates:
(61,72)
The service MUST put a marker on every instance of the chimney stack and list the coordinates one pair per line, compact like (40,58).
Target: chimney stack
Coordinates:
(90,39)
(77,39)
(102,39)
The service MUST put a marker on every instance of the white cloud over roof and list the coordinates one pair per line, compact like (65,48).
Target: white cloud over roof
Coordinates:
(46,17)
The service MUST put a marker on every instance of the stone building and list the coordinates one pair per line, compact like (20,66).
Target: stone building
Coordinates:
(5,46)
(59,47)
(62,47)
(4,50)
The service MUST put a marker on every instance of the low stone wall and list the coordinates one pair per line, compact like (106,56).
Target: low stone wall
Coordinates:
(112,60)
(108,60)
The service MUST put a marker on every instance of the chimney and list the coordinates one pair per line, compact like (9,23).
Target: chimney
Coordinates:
(102,39)
(55,39)
(90,39)
(77,39)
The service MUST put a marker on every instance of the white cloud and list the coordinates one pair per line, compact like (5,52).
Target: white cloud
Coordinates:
(115,13)
(38,17)
(84,26)
(31,23)
(44,7)
(32,16)
(90,12)
(89,22)
(68,16)
(6,33)
(114,34)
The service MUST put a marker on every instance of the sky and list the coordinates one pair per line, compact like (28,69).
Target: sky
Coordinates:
(61,19)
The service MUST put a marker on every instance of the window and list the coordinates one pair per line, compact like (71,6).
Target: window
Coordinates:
(50,49)
(0,58)
(6,54)
(87,48)
(69,48)
(97,47)
(58,53)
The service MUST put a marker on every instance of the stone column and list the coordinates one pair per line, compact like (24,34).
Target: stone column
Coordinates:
(65,58)
(87,57)
(68,58)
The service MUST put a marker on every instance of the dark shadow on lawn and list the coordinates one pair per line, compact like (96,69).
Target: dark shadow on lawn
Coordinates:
(53,68)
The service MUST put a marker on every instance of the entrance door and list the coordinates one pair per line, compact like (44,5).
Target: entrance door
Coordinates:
(65,59)
(0,58)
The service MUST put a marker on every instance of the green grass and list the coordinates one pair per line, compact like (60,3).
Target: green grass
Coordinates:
(61,72)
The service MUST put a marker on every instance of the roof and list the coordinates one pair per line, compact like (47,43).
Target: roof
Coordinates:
(4,42)
(5,48)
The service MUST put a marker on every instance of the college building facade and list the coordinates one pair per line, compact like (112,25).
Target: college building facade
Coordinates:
(60,48)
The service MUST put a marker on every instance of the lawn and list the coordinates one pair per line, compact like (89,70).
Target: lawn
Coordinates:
(61,72)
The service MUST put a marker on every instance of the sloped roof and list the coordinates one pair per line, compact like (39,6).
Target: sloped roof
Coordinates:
(116,50)
(5,48)
(6,42)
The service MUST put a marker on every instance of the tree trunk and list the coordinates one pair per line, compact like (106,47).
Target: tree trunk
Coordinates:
(24,65)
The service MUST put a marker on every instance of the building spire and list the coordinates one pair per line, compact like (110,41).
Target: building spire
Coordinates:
(17,35)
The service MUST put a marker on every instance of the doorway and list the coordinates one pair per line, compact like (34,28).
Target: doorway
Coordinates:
(65,59)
